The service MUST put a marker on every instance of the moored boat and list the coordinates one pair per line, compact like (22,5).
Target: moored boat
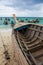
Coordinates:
(29,37)
(30,40)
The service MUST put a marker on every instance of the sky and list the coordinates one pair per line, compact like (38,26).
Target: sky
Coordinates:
(25,8)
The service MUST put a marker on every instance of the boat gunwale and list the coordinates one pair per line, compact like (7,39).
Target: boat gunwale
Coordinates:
(20,25)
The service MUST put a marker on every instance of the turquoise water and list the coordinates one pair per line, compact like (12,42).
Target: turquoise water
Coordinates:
(26,19)
(10,19)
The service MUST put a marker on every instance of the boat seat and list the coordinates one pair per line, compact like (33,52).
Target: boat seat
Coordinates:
(35,36)
(37,53)
(34,44)
(34,48)
(33,39)
(32,33)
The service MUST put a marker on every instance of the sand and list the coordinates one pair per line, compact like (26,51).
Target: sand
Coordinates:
(15,54)
(6,39)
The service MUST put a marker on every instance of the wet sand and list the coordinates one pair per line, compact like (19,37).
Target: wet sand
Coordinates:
(15,54)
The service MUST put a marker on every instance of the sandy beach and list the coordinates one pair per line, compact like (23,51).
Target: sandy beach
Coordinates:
(15,54)
(5,38)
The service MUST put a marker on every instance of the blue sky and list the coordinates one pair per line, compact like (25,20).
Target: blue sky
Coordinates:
(26,8)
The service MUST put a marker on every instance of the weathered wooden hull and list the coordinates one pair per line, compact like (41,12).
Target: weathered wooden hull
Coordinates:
(30,41)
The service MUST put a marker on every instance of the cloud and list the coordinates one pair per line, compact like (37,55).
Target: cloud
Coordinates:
(21,7)
(21,4)
(6,2)
(6,11)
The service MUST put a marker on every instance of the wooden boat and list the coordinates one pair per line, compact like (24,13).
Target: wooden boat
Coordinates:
(34,21)
(5,22)
(21,21)
(29,37)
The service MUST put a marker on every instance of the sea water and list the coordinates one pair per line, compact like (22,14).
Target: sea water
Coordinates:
(25,19)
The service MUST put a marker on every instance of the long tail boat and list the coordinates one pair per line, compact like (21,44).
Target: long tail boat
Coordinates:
(29,37)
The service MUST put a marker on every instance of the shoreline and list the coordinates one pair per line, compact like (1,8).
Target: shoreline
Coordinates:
(5,29)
